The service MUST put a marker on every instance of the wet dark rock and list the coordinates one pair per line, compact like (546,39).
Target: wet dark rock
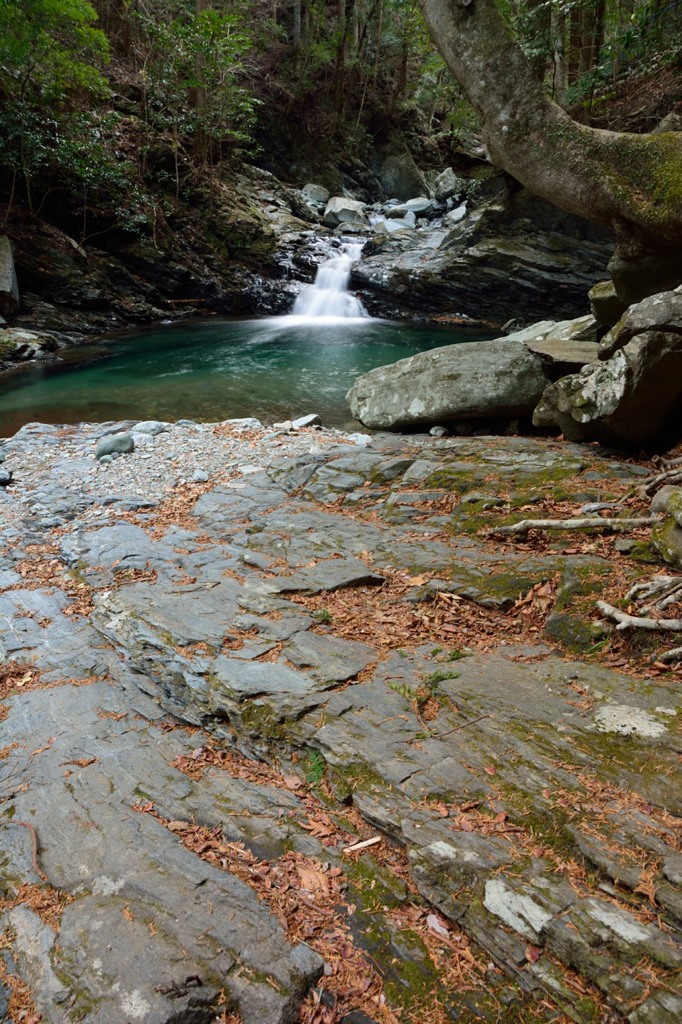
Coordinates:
(399,175)
(513,255)
(639,277)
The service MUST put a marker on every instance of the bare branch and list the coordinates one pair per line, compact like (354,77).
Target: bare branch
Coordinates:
(587,523)
(651,484)
(664,590)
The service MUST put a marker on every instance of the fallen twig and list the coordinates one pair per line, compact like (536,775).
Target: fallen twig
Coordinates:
(585,523)
(471,721)
(664,590)
(363,845)
(625,621)
(651,484)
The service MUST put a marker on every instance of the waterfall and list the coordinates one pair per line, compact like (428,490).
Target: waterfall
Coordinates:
(329,296)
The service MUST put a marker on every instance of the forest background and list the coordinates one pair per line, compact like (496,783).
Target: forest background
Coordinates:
(120,110)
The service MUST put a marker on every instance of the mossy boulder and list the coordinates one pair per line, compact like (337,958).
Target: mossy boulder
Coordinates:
(661,313)
(669,501)
(607,308)
(634,393)
(667,539)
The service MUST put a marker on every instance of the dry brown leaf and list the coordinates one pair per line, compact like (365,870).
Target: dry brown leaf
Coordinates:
(314,880)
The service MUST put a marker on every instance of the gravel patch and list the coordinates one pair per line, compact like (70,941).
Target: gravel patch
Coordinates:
(56,474)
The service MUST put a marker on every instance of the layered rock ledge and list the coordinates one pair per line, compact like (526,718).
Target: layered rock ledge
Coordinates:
(232,654)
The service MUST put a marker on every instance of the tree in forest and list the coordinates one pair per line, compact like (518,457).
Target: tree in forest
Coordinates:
(631,183)
(193,76)
(51,61)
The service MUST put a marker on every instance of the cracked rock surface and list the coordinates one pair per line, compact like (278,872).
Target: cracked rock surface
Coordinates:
(325,630)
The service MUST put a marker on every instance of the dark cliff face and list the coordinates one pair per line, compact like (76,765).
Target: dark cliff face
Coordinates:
(196,263)
(512,256)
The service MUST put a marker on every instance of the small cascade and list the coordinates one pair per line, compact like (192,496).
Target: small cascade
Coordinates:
(329,296)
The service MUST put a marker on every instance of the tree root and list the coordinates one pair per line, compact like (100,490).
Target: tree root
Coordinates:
(674,654)
(665,589)
(666,463)
(585,523)
(652,484)
(625,621)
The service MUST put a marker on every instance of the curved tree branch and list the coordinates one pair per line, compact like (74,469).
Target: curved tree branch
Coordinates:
(632,183)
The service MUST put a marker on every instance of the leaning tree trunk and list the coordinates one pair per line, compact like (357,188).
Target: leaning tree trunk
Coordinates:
(632,183)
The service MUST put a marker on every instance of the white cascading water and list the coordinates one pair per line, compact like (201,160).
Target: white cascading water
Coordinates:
(329,297)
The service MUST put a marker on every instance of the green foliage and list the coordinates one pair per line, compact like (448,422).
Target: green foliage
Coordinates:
(71,150)
(585,48)
(641,44)
(50,49)
(432,680)
(194,78)
(455,654)
(50,59)
(314,767)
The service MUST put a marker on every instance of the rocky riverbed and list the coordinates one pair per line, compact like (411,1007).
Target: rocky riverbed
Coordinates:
(232,654)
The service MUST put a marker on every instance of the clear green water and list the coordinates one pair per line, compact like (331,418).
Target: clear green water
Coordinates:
(210,370)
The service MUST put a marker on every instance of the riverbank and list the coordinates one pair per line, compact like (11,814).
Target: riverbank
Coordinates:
(236,653)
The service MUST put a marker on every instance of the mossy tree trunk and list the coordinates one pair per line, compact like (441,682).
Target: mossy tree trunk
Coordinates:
(632,183)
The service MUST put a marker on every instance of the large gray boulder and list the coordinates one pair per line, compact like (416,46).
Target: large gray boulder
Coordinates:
(631,394)
(478,380)
(341,211)
(316,196)
(9,287)
(447,185)
(401,177)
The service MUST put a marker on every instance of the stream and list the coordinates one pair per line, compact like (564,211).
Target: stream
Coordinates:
(216,369)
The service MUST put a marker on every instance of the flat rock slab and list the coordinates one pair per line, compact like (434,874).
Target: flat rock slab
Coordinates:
(146,913)
(314,614)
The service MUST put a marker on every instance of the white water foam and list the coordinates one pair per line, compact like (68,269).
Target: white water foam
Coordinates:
(328,299)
